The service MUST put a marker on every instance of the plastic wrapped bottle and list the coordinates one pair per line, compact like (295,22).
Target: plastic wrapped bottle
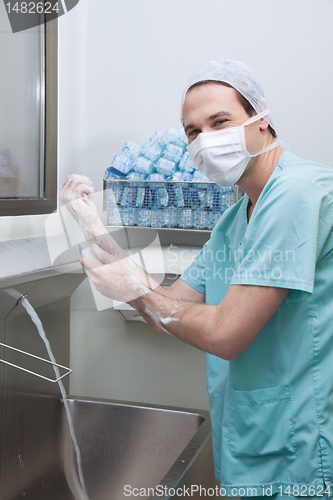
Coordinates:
(186,164)
(113,173)
(144,165)
(186,218)
(115,188)
(136,176)
(165,167)
(132,151)
(128,204)
(156,177)
(152,150)
(200,219)
(122,163)
(173,153)
(189,199)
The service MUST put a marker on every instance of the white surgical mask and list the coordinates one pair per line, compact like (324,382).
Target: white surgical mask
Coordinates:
(222,155)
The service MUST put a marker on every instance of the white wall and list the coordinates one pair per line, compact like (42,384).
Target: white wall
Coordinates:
(129,361)
(123,67)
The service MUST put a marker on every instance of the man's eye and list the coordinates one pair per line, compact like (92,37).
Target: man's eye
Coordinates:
(194,132)
(219,122)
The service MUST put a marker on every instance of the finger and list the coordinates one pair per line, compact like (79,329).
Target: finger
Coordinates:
(67,188)
(75,180)
(89,197)
(87,272)
(88,181)
(69,180)
(79,187)
(88,260)
(82,189)
(101,255)
(87,253)
(82,180)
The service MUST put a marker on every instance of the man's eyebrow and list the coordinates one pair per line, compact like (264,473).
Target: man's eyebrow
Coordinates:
(220,114)
(188,127)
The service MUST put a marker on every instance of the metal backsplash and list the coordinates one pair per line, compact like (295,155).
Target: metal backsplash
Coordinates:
(30,435)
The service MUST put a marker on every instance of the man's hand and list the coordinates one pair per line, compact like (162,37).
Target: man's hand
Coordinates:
(77,196)
(122,279)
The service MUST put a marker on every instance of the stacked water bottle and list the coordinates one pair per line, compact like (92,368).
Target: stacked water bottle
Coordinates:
(157,185)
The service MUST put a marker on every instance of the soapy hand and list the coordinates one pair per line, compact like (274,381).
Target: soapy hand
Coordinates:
(118,279)
(77,195)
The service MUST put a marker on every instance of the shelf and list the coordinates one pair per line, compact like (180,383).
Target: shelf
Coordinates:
(133,236)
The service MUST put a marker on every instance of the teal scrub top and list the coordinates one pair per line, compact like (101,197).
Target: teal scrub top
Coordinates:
(272,406)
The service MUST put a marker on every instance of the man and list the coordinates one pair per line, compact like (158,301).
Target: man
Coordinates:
(259,294)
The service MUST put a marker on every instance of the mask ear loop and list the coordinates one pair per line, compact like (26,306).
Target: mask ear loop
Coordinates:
(255,118)
(265,150)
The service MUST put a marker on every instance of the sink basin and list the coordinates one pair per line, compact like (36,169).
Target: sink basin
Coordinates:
(133,446)
(127,450)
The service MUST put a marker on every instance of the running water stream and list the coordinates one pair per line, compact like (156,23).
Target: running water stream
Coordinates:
(34,316)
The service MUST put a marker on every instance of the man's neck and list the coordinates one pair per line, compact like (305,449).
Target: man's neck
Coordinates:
(258,172)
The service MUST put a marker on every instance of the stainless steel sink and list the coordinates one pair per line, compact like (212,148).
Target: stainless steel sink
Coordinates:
(133,446)
(122,445)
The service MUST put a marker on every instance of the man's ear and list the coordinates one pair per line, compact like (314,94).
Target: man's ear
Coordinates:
(263,124)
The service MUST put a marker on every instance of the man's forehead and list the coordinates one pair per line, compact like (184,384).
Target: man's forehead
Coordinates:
(210,99)
(212,88)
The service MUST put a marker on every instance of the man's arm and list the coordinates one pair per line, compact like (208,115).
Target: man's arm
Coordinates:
(225,330)
(182,291)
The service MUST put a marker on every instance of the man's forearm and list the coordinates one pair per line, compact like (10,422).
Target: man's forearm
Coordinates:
(191,322)
(96,233)
(99,235)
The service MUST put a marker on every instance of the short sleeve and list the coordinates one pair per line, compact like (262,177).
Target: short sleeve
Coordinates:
(285,235)
(194,275)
